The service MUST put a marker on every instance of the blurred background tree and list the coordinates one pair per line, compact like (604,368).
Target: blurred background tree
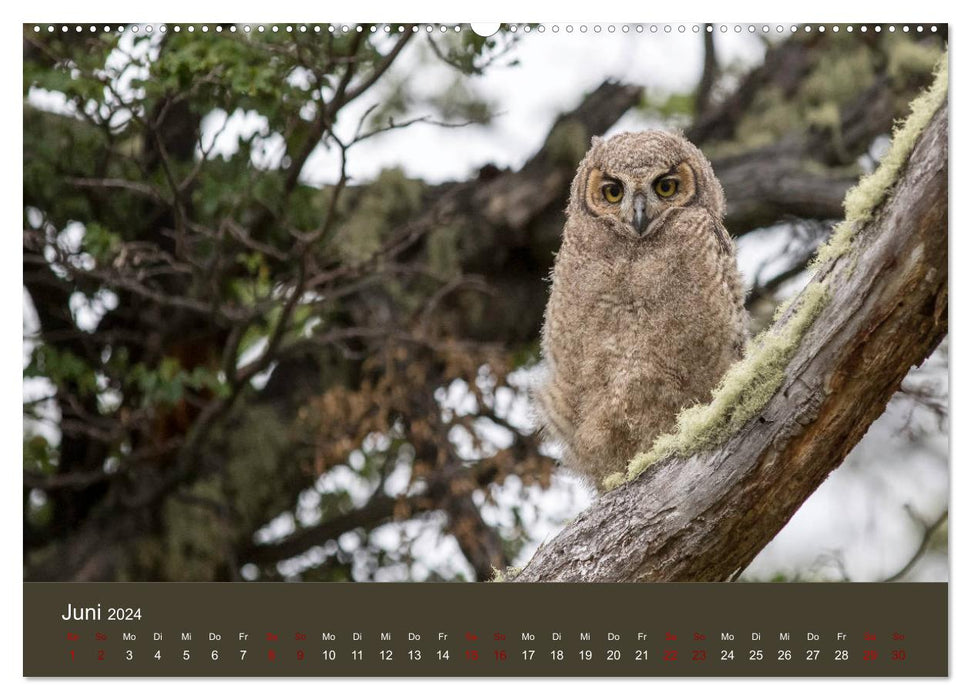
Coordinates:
(237,368)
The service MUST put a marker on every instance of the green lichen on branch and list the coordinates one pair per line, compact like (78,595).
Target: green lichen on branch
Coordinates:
(744,390)
(863,199)
(505,575)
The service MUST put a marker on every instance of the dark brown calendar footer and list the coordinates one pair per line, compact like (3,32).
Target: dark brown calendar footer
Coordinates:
(361,629)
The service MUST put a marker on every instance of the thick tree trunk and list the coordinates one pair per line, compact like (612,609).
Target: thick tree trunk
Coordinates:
(705,517)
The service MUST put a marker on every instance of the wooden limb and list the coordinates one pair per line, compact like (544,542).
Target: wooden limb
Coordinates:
(708,74)
(785,65)
(480,544)
(378,509)
(514,200)
(768,185)
(379,69)
(704,517)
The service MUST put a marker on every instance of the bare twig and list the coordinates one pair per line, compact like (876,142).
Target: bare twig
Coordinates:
(927,536)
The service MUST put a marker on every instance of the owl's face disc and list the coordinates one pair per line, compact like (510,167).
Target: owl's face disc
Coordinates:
(633,179)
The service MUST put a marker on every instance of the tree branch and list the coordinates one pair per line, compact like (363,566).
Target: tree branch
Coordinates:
(766,185)
(704,517)
(929,530)
(708,74)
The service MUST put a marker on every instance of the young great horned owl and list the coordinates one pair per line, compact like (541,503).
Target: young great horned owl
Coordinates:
(646,308)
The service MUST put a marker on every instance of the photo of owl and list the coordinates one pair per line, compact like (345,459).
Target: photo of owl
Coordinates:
(646,309)
(614,302)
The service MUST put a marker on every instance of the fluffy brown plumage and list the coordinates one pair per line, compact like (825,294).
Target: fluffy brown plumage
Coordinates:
(646,307)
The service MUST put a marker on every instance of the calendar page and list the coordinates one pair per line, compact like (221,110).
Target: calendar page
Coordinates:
(550,349)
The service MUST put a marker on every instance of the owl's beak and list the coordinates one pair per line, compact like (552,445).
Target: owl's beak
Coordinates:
(640,213)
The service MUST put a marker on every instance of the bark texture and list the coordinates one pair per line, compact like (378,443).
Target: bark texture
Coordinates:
(705,517)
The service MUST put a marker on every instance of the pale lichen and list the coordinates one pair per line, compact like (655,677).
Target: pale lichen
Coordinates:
(908,59)
(863,199)
(506,575)
(744,390)
(443,249)
(835,78)
(840,74)
(614,480)
(782,308)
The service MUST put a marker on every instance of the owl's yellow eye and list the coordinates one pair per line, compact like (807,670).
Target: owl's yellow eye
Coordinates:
(613,192)
(666,187)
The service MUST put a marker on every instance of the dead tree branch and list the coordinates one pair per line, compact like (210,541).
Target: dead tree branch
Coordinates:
(706,516)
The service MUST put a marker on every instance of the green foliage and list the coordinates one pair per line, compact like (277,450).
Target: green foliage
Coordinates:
(63,368)
(264,73)
(443,250)
(80,75)
(460,103)
(166,384)
(255,445)
(670,107)
(195,537)
(470,53)
(201,526)
(101,243)
(390,200)
(39,455)
(54,148)
(38,510)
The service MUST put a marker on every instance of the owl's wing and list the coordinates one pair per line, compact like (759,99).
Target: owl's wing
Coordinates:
(721,235)
(736,289)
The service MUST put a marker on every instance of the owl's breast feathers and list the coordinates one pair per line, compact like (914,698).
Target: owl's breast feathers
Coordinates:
(635,331)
